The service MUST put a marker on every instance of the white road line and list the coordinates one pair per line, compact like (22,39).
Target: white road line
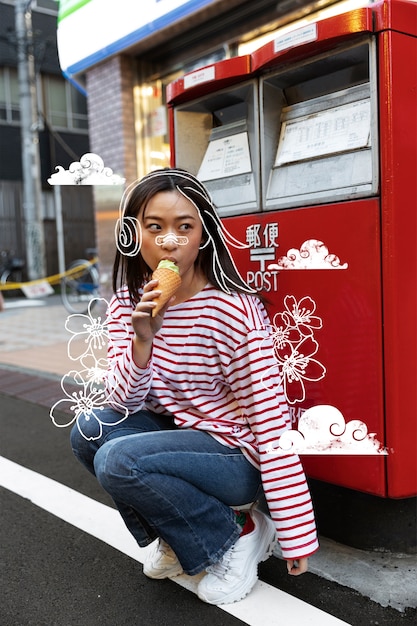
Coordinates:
(264,605)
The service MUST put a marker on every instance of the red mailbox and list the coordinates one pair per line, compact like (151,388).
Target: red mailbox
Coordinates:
(316,172)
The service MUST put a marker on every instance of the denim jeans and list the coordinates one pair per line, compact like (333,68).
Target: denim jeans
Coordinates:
(177,484)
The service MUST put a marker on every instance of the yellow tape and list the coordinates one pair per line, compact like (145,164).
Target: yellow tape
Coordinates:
(52,280)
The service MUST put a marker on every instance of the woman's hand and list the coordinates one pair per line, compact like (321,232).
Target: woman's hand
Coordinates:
(144,325)
(296,567)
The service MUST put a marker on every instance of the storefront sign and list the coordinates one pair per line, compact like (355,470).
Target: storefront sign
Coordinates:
(92,30)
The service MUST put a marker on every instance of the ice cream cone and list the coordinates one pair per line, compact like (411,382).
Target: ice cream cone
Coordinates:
(169,281)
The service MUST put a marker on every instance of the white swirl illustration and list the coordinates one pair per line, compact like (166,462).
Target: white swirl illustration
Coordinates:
(128,236)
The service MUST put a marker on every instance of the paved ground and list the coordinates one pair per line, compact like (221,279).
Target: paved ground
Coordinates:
(66,559)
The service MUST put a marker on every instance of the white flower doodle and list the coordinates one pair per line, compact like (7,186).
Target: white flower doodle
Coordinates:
(94,331)
(86,401)
(321,429)
(298,366)
(94,369)
(302,314)
(294,346)
(85,396)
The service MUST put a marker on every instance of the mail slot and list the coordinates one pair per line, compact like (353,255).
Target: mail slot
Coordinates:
(216,134)
(319,128)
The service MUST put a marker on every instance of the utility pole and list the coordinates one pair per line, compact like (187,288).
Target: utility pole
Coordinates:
(32,198)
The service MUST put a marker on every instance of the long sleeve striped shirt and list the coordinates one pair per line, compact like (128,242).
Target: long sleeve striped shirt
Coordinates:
(212,368)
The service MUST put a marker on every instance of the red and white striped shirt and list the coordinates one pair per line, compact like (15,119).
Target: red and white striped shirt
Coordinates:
(212,368)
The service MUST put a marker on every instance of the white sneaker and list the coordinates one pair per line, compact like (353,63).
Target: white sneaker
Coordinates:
(161,562)
(233,577)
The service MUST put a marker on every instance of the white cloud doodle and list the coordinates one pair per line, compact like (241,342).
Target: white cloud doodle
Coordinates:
(322,429)
(89,170)
(312,255)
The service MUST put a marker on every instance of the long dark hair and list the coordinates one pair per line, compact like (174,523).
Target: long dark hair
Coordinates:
(214,258)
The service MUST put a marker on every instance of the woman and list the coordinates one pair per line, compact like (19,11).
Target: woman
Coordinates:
(206,406)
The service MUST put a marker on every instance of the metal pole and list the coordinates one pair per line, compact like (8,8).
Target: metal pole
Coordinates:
(32,198)
(59,228)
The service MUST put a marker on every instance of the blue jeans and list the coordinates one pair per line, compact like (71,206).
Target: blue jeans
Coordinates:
(177,484)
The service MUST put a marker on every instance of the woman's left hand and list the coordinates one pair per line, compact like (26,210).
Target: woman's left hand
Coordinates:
(296,567)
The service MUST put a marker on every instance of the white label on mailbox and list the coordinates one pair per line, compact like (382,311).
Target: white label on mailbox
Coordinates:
(343,128)
(200,76)
(295,38)
(226,157)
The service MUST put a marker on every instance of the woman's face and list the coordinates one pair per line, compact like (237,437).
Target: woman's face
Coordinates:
(171,229)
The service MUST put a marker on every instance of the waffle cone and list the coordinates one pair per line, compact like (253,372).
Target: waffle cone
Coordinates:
(169,282)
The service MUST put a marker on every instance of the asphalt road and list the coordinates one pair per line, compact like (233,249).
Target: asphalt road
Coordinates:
(53,574)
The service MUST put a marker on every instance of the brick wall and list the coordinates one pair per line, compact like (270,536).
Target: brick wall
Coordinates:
(111,115)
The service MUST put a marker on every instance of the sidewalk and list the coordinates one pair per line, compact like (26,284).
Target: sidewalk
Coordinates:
(33,336)
(33,350)
(33,359)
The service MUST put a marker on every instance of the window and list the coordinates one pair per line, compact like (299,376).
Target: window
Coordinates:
(9,95)
(64,106)
(151,127)
(44,6)
(51,5)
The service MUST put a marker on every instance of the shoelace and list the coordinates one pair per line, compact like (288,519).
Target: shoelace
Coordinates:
(221,568)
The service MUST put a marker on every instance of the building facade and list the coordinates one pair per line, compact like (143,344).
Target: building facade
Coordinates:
(60,132)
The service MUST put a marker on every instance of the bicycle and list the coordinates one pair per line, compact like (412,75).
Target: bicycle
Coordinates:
(81,283)
(11,270)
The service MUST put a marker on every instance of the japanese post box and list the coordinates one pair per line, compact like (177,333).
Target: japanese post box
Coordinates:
(330,228)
